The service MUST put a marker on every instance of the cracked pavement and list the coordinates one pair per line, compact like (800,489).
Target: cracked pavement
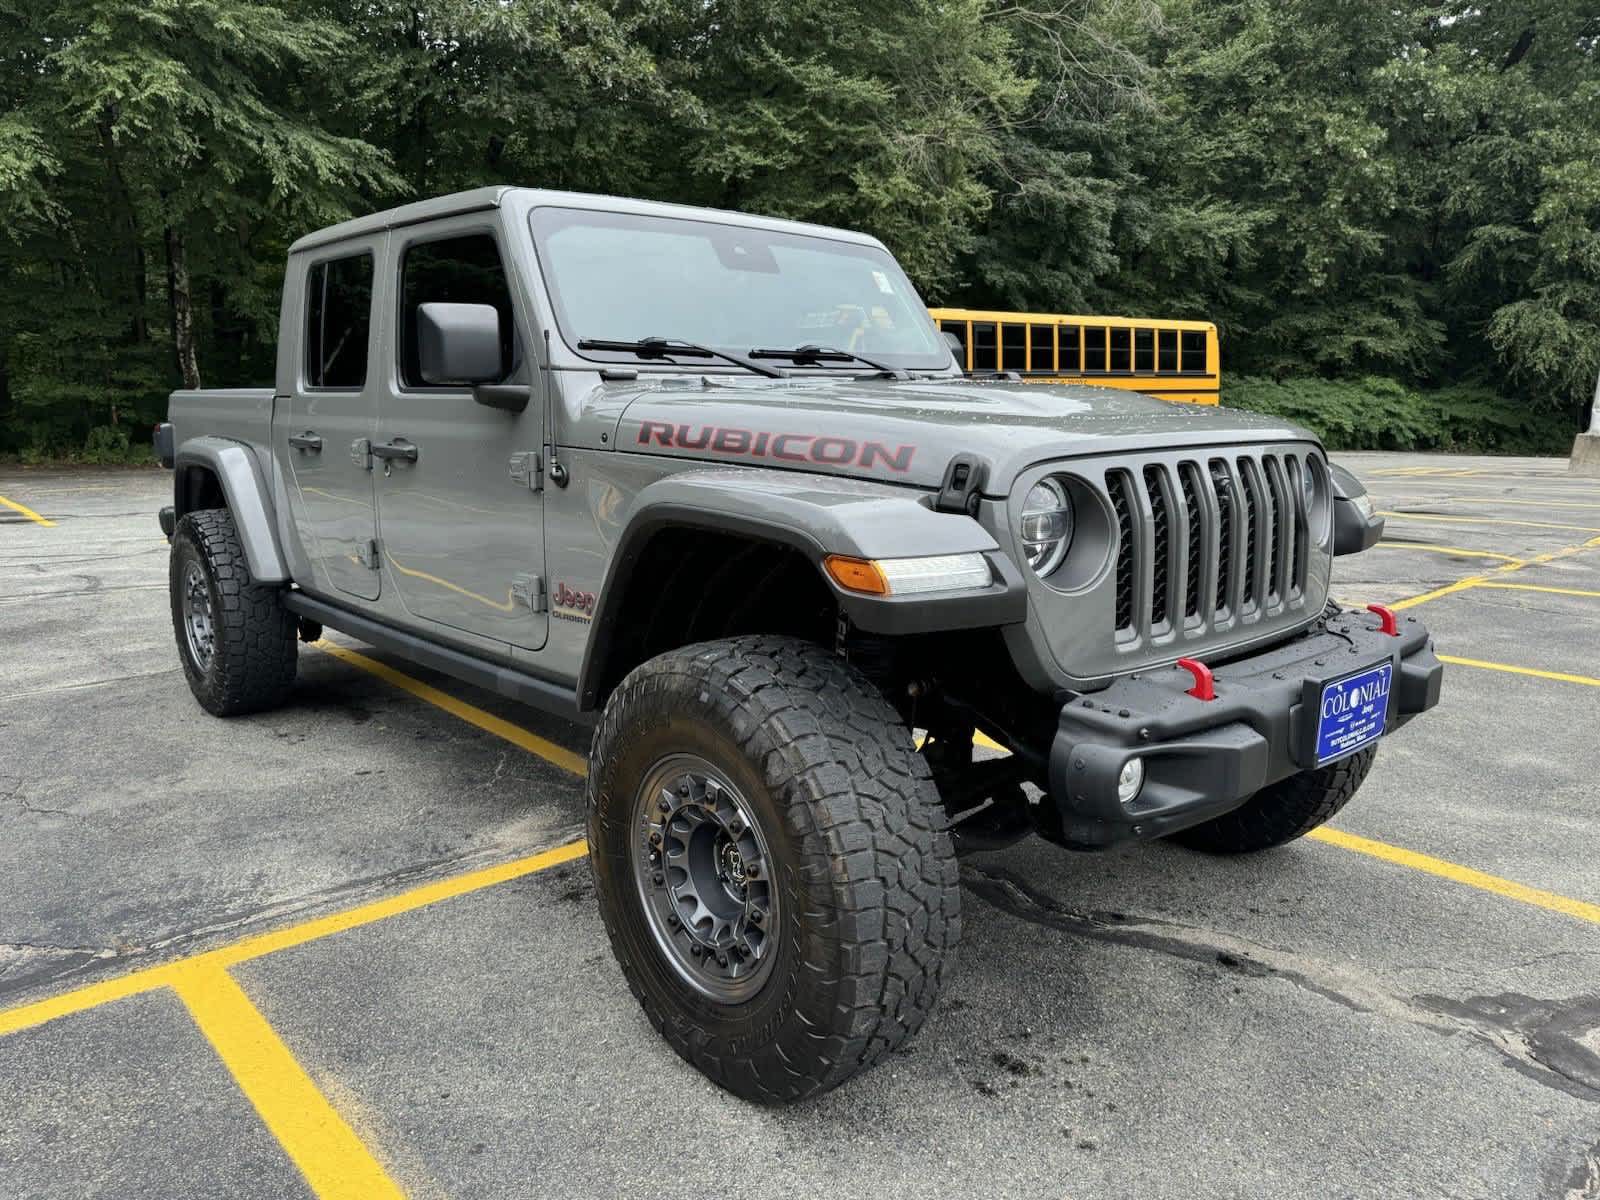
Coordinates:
(1148,1022)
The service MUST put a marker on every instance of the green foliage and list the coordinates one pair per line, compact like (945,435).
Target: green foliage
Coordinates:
(1404,189)
(1374,413)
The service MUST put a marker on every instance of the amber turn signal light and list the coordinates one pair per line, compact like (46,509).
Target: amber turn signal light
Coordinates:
(856,574)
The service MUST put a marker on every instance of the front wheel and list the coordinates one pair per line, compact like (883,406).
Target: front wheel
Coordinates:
(1283,811)
(770,861)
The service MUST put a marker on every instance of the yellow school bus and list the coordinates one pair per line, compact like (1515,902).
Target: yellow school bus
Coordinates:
(1171,360)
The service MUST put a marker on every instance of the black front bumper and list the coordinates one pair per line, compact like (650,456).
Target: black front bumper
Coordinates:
(1205,757)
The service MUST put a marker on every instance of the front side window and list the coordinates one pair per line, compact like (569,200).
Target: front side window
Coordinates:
(1194,350)
(459,270)
(625,277)
(338,318)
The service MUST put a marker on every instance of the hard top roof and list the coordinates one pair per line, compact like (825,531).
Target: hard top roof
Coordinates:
(494,197)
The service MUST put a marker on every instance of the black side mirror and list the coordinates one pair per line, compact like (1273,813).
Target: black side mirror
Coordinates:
(1355,526)
(458,343)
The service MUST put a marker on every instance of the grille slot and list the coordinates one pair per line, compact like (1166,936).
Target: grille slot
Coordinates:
(1121,502)
(1206,544)
(1161,533)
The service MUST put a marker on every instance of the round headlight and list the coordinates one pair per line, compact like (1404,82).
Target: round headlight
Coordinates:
(1046,526)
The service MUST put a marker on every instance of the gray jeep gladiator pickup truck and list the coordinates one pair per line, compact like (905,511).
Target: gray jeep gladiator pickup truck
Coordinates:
(714,484)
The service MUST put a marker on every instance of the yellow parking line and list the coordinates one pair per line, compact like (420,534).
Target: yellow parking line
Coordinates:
(25,511)
(1537,587)
(1509,500)
(470,713)
(335,1162)
(168,974)
(1510,889)
(1487,521)
(1456,551)
(1561,676)
(1460,585)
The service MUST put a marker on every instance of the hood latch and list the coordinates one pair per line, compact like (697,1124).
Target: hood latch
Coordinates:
(964,476)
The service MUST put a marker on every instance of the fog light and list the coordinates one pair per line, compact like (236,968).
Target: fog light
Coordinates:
(1131,780)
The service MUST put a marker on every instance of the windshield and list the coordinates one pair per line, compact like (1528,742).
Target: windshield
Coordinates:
(620,277)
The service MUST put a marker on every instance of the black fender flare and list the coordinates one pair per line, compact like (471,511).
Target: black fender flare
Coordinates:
(815,516)
(237,471)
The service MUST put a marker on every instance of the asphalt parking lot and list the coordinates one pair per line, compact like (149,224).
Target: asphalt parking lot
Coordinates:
(350,948)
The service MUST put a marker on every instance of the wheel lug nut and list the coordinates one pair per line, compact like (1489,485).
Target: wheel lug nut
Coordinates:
(658,878)
(664,804)
(757,917)
(736,827)
(696,951)
(752,870)
(683,788)
(655,837)
(672,919)
(722,960)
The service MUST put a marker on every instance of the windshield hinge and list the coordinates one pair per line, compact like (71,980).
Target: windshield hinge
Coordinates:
(527,468)
(964,477)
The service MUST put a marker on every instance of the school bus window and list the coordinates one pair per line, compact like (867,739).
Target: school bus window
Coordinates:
(1013,347)
(1041,348)
(959,328)
(983,346)
(1094,349)
(1169,352)
(1121,359)
(1144,351)
(1194,350)
(1071,361)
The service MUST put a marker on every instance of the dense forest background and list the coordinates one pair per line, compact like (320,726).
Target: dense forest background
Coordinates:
(1392,209)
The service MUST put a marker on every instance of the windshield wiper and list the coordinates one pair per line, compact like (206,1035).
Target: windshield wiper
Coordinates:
(669,348)
(802,355)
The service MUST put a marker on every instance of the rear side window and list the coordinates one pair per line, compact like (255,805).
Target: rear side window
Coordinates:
(1194,350)
(1014,347)
(1071,358)
(984,349)
(1094,348)
(1041,348)
(338,318)
(1169,351)
(458,270)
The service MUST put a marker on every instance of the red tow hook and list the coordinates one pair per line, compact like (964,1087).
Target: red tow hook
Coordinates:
(1387,621)
(1204,686)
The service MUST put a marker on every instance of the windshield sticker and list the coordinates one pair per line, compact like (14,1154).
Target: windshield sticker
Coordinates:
(884,285)
(784,447)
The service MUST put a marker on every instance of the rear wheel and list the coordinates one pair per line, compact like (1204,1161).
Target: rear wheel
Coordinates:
(1284,811)
(236,640)
(768,851)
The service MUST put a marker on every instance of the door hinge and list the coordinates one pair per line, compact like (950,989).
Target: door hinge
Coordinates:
(527,468)
(529,590)
(361,453)
(370,554)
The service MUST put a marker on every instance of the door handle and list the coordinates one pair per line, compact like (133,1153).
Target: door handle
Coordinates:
(399,448)
(306,441)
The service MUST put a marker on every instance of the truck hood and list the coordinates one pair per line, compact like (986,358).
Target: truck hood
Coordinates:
(906,432)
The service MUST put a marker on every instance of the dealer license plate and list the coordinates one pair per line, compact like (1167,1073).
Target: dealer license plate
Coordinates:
(1353,712)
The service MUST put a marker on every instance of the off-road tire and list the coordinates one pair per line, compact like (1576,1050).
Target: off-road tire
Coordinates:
(867,879)
(1286,810)
(252,664)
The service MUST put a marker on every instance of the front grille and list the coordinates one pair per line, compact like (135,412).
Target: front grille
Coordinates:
(1204,544)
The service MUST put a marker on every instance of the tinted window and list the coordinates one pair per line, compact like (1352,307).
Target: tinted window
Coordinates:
(959,328)
(338,316)
(1194,349)
(1144,350)
(1121,358)
(1070,350)
(983,346)
(1094,348)
(1014,347)
(1041,345)
(460,270)
(1169,350)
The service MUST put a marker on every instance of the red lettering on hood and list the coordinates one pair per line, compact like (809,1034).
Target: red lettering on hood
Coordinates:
(785,447)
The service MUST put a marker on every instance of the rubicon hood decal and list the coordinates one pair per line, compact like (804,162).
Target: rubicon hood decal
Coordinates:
(905,432)
(796,447)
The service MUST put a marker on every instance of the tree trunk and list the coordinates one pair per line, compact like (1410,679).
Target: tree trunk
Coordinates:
(178,293)
(130,226)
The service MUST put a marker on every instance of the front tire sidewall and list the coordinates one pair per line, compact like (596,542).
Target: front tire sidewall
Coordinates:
(205,682)
(686,1016)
